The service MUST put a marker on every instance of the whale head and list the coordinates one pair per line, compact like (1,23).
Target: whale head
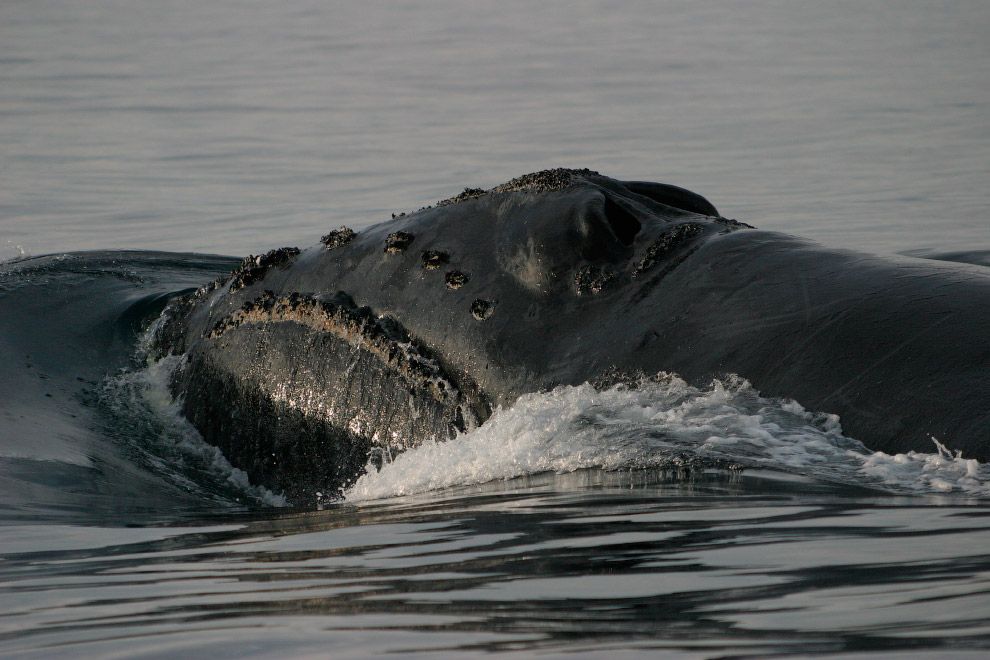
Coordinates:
(303,365)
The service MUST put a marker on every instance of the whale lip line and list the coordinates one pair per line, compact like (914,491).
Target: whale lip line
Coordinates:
(384,337)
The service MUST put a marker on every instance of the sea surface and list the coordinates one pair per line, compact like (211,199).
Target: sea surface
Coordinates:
(139,140)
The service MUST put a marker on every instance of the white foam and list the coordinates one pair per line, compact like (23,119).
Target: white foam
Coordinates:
(11,252)
(142,397)
(654,424)
(663,422)
(938,472)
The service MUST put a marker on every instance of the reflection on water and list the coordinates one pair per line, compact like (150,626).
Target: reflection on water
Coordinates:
(714,563)
(231,128)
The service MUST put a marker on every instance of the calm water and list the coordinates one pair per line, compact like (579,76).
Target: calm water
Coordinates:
(229,127)
(578,523)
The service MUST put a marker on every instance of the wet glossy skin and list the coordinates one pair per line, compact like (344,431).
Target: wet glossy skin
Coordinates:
(566,277)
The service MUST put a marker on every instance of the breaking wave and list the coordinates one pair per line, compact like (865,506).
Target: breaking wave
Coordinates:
(664,423)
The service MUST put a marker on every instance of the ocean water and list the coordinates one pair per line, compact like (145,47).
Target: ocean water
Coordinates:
(659,521)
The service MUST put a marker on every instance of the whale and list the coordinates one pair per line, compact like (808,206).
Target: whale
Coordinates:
(307,366)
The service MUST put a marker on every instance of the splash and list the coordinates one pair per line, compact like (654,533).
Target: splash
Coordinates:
(149,419)
(11,252)
(664,422)
(659,423)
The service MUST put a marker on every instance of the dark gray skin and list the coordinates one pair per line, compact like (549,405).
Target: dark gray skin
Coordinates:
(557,278)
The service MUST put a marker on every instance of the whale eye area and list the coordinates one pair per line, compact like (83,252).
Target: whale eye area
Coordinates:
(455,279)
(397,242)
(482,309)
(434,259)
(338,237)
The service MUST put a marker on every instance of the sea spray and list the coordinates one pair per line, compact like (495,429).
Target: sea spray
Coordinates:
(663,422)
(149,419)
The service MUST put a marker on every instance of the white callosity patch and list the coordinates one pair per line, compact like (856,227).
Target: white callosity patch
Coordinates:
(663,422)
